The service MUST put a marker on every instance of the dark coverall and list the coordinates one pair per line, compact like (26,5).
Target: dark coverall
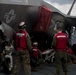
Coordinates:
(61,53)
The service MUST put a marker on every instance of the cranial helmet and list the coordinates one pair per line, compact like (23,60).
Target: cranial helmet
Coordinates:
(35,43)
(22,25)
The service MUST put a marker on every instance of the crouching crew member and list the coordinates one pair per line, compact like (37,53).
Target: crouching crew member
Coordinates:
(35,56)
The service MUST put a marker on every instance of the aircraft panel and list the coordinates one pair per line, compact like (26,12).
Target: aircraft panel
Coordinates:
(12,15)
(22,2)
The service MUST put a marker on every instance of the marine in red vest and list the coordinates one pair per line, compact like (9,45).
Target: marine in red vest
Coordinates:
(23,47)
(36,55)
(22,38)
(35,50)
(60,43)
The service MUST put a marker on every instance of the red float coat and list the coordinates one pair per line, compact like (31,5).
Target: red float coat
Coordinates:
(20,40)
(35,51)
(61,41)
